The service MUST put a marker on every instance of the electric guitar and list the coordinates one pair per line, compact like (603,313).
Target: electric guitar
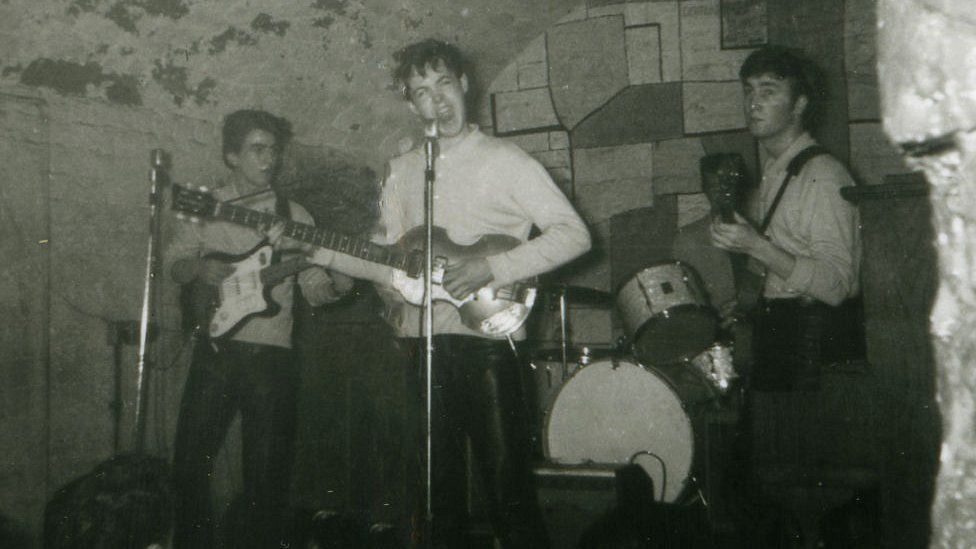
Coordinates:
(220,310)
(730,179)
(494,313)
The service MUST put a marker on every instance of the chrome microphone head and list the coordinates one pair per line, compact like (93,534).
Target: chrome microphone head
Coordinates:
(157,158)
(431,131)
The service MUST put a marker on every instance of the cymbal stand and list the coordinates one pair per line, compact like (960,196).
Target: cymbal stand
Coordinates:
(563,332)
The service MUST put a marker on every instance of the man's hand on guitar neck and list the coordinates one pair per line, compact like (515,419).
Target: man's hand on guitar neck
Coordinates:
(276,237)
(466,276)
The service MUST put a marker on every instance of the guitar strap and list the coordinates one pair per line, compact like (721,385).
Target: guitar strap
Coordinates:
(792,170)
(750,282)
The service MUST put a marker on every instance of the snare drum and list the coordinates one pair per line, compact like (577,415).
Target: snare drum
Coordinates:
(666,314)
(616,412)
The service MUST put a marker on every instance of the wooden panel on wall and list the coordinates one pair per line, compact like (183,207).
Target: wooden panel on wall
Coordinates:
(861,60)
(702,56)
(664,15)
(872,155)
(644,54)
(523,110)
(817,29)
(640,237)
(638,114)
(587,66)
(900,278)
(712,106)
(676,165)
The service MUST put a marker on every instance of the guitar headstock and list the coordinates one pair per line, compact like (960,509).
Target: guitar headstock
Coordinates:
(195,203)
(724,177)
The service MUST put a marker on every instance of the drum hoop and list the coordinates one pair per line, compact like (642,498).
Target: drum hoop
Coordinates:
(662,316)
(633,274)
(694,423)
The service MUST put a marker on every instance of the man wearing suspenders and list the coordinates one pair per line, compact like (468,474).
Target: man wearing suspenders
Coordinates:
(804,236)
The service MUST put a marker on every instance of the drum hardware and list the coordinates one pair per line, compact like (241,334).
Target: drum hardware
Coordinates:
(716,364)
(577,294)
(580,295)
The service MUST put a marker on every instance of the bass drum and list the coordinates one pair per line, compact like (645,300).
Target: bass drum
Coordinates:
(616,412)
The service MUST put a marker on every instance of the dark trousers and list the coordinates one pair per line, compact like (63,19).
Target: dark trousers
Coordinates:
(261,381)
(478,394)
(794,338)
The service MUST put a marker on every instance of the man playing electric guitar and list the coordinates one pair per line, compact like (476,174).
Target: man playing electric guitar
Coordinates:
(252,368)
(484,186)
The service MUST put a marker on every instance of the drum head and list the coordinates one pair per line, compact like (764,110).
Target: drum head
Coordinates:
(616,412)
(680,333)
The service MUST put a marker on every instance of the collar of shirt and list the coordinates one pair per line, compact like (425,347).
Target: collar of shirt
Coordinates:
(777,166)
(262,202)
(473,136)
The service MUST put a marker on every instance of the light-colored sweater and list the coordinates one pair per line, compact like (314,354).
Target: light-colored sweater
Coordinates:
(195,240)
(484,185)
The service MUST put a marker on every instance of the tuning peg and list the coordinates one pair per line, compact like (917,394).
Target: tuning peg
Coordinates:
(203,189)
(180,216)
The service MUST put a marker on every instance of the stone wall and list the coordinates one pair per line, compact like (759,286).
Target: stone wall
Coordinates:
(927,67)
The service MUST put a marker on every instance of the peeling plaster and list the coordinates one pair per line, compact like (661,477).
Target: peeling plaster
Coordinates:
(175,80)
(174,9)
(63,76)
(335,6)
(74,78)
(124,90)
(121,16)
(243,38)
(125,13)
(265,23)
(324,22)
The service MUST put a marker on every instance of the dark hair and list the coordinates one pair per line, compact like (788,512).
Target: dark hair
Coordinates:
(125,502)
(240,123)
(420,56)
(805,77)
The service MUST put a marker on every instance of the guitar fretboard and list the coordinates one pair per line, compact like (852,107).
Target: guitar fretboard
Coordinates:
(349,245)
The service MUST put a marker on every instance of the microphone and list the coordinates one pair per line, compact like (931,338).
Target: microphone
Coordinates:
(430,143)
(431,130)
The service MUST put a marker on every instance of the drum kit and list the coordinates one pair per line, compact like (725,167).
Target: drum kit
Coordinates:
(643,401)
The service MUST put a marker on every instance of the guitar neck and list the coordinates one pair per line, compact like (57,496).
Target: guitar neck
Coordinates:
(279,271)
(323,238)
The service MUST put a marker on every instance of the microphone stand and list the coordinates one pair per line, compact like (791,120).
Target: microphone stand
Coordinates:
(157,178)
(430,152)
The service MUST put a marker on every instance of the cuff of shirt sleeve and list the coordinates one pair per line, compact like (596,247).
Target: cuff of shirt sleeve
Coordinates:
(800,279)
(322,257)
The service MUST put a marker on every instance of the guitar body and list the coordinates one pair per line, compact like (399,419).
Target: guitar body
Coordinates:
(222,310)
(483,310)
(493,312)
